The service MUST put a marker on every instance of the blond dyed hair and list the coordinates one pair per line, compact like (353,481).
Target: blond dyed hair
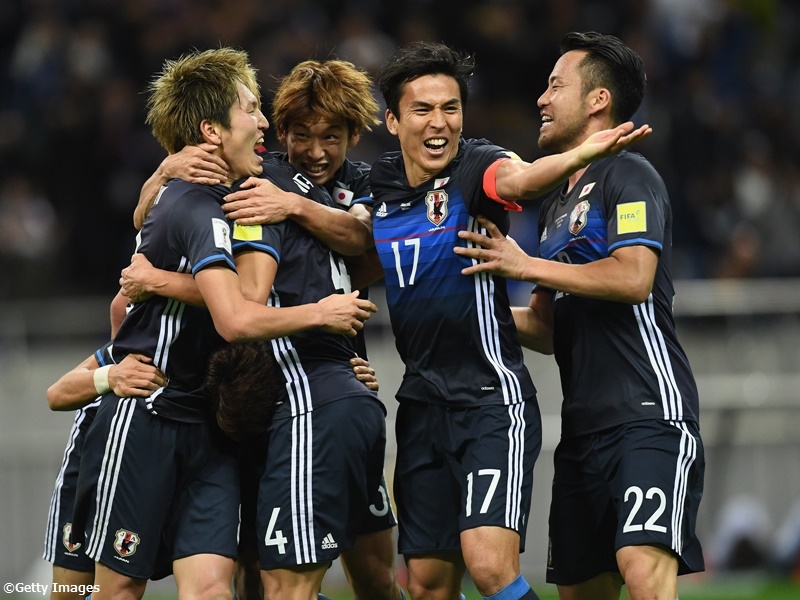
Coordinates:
(198,86)
(333,90)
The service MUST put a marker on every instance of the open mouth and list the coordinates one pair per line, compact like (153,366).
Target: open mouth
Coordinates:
(436,145)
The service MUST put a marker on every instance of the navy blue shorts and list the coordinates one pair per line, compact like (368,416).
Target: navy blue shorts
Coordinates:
(636,484)
(58,549)
(152,490)
(461,468)
(323,471)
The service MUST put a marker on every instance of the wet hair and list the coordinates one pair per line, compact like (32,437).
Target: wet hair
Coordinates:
(609,63)
(242,383)
(334,90)
(197,86)
(423,58)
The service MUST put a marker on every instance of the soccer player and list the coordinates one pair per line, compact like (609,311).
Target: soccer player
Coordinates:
(629,466)
(468,425)
(320,110)
(80,389)
(164,472)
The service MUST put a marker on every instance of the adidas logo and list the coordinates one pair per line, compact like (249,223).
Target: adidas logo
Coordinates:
(328,542)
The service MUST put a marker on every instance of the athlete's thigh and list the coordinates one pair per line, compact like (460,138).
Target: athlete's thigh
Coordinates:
(494,451)
(318,482)
(657,481)
(59,548)
(582,518)
(204,518)
(426,491)
(135,460)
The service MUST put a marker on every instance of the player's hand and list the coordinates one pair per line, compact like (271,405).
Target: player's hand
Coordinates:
(345,313)
(136,280)
(610,141)
(500,255)
(135,376)
(365,373)
(258,202)
(196,164)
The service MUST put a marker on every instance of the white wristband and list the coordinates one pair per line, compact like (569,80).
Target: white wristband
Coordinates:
(101,380)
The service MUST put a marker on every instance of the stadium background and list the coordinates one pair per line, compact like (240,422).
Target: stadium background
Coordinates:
(724,84)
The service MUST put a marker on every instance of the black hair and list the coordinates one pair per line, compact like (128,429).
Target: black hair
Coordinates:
(423,58)
(609,63)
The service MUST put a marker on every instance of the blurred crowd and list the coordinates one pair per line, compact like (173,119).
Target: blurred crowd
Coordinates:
(74,149)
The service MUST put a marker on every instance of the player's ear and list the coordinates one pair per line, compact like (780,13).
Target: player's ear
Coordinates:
(210,132)
(391,122)
(282,135)
(599,99)
(354,139)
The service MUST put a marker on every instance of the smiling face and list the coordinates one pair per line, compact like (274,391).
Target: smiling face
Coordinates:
(317,149)
(564,107)
(238,143)
(428,125)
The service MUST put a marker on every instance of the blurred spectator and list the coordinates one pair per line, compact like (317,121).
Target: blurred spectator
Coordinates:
(724,78)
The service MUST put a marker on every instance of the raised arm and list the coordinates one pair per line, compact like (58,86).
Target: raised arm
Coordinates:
(516,179)
(260,202)
(134,376)
(196,164)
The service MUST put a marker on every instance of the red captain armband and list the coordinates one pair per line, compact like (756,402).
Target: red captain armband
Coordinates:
(490,186)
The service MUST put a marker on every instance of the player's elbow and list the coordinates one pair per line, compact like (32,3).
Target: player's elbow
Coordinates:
(234,327)
(637,292)
(57,401)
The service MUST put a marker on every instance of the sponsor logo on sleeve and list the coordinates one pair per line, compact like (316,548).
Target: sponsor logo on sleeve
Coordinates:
(247,233)
(631,217)
(222,234)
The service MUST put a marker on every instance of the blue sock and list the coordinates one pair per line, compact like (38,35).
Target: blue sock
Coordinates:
(463,597)
(402,594)
(516,590)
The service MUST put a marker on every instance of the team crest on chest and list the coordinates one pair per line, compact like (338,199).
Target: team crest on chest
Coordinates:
(436,201)
(66,538)
(125,542)
(578,217)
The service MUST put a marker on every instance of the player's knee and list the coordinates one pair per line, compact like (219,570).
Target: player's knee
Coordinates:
(206,589)
(648,571)
(380,584)
(489,575)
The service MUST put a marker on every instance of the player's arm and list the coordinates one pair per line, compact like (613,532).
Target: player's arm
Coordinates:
(117,310)
(134,376)
(627,275)
(364,269)
(260,202)
(141,280)
(516,179)
(238,319)
(196,164)
(535,322)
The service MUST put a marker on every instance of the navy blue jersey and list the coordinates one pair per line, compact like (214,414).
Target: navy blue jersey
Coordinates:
(186,231)
(315,364)
(349,186)
(618,362)
(454,333)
